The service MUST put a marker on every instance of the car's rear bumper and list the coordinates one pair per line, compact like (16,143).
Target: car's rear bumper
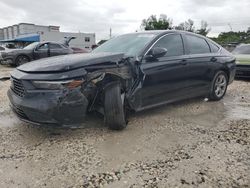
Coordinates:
(242,71)
(50,107)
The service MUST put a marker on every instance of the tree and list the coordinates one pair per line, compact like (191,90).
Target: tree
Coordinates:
(233,37)
(186,26)
(204,30)
(152,23)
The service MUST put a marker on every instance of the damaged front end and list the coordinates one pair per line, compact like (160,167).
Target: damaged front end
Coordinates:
(64,98)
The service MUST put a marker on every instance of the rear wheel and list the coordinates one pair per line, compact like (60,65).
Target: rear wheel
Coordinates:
(114,107)
(20,60)
(219,86)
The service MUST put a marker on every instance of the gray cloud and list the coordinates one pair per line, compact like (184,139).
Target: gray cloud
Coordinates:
(123,16)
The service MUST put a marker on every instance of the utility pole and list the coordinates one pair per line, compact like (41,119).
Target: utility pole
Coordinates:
(110,33)
(230,26)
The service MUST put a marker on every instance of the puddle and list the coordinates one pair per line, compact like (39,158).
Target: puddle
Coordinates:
(207,114)
(239,111)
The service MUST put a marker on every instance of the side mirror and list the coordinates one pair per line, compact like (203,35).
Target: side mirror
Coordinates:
(36,48)
(158,52)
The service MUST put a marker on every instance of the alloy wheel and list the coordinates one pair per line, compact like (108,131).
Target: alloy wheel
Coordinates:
(22,60)
(220,85)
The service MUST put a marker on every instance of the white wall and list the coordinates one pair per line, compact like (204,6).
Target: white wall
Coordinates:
(10,36)
(78,42)
(1,34)
(26,28)
(15,30)
(50,33)
(5,33)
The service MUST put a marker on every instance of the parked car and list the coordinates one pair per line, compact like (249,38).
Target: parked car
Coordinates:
(79,50)
(2,48)
(34,51)
(242,53)
(129,73)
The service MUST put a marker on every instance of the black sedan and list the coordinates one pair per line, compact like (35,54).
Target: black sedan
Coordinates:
(129,73)
(36,50)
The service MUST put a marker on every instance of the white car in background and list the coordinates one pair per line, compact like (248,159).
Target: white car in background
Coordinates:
(242,54)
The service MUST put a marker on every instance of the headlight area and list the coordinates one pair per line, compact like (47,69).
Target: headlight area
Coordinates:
(58,85)
(68,84)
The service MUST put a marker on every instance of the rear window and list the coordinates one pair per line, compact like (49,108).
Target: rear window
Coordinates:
(214,47)
(55,46)
(197,45)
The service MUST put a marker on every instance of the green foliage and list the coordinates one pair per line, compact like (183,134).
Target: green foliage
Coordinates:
(189,26)
(152,23)
(186,26)
(163,23)
(233,37)
(204,30)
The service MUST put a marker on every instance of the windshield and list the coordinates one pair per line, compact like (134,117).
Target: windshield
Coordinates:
(130,44)
(242,49)
(31,46)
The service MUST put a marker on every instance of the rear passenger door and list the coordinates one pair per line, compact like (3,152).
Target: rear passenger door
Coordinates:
(199,66)
(56,49)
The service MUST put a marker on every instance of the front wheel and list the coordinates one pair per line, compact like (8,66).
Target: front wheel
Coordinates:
(219,86)
(114,107)
(22,59)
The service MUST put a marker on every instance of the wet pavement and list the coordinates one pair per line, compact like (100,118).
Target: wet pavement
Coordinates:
(188,144)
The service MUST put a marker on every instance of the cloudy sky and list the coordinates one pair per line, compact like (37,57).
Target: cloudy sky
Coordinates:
(124,15)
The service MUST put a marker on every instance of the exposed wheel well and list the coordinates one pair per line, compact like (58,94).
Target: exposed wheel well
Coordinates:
(227,72)
(113,78)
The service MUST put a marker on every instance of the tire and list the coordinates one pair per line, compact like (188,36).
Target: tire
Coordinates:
(114,107)
(219,86)
(22,59)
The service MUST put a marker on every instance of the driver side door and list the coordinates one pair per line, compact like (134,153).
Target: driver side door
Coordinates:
(41,51)
(165,78)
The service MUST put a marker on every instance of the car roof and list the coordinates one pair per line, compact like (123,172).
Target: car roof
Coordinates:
(163,32)
(43,42)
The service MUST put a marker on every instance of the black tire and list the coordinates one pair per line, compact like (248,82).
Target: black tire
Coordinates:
(219,86)
(21,59)
(114,108)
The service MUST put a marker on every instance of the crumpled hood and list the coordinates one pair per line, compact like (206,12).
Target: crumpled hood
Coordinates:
(70,62)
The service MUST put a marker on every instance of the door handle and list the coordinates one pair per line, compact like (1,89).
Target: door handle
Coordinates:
(184,62)
(213,59)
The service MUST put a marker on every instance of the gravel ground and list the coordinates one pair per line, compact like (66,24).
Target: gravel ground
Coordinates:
(189,144)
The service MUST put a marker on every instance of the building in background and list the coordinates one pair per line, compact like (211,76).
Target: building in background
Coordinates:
(27,33)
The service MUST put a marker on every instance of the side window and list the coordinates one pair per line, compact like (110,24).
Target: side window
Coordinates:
(197,45)
(173,43)
(214,47)
(55,46)
(43,47)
